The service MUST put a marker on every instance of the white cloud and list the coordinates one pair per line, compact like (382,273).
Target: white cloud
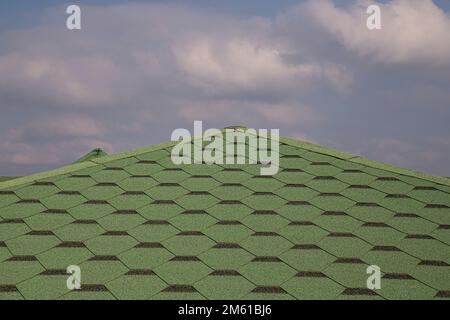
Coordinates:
(412,30)
(238,64)
(82,81)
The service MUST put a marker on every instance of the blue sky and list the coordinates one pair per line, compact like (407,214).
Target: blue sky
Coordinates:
(137,71)
(14,13)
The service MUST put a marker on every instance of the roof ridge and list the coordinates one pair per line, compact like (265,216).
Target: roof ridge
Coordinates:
(289,141)
(83,165)
(364,161)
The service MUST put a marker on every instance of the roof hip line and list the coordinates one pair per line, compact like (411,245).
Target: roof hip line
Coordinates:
(288,141)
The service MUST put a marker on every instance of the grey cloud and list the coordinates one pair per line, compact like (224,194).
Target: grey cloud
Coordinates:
(135,72)
(412,30)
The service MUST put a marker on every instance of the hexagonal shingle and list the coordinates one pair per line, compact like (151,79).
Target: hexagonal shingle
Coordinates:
(79,230)
(293,176)
(37,190)
(256,271)
(91,210)
(145,255)
(121,221)
(344,245)
(229,256)
(313,286)
(19,268)
(430,195)
(326,184)
(231,176)
(299,211)
(264,201)
(379,234)
(229,210)
(44,287)
(160,210)
(182,270)
(64,255)
(318,168)
(355,177)
(332,202)
(303,232)
(75,183)
(143,167)
(48,221)
(102,191)
(7,198)
(296,192)
(110,243)
(10,229)
(363,193)
(153,231)
(110,175)
(193,221)
(266,244)
(166,191)
(231,191)
(197,200)
(263,184)
(304,257)
(136,285)
(370,212)
(22,209)
(337,222)
(228,231)
(64,200)
(222,286)
(349,272)
(171,175)
(401,288)
(137,183)
(199,183)
(391,185)
(32,243)
(189,243)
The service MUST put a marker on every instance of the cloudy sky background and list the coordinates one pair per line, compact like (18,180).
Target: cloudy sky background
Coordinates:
(136,71)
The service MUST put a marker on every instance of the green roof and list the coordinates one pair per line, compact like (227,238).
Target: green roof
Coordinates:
(141,227)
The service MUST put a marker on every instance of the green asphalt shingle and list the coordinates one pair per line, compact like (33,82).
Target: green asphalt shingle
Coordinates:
(140,227)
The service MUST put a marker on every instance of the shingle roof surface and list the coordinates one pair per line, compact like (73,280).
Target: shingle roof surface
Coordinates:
(141,227)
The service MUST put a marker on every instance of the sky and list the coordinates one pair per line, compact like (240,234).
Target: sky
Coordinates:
(138,70)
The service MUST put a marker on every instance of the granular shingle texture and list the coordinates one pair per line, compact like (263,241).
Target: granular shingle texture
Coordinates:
(140,227)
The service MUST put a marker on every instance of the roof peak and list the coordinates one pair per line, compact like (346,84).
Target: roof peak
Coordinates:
(98,160)
(235,127)
(93,154)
